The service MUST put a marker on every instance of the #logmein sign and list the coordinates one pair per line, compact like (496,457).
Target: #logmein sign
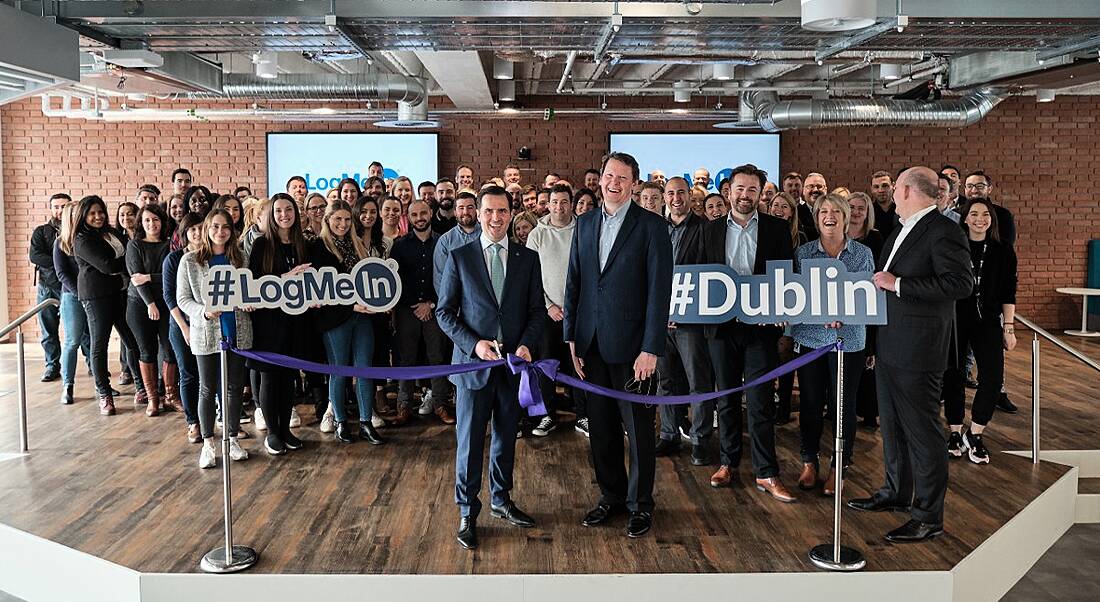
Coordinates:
(372,282)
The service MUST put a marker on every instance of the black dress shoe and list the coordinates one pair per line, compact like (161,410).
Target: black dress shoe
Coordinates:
(467,533)
(699,455)
(1005,405)
(602,513)
(914,531)
(368,434)
(512,514)
(877,504)
(50,375)
(639,524)
(666,447)
(343,433)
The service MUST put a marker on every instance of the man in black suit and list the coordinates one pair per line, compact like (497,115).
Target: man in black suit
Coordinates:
(685,366)
(617,294)
(925,268)
(490,302)
(745,241)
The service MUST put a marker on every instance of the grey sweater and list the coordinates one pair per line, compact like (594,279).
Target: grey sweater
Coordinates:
(552,244)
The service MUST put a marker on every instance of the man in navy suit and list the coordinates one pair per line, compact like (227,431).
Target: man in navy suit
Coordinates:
(490,303)
(617,294)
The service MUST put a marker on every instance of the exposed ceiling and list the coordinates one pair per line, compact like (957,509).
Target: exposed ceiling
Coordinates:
(601,49)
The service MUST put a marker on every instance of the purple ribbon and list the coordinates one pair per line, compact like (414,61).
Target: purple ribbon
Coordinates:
(530,394)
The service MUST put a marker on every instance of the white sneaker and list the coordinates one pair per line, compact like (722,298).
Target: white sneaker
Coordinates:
(377,422)
(236,452)
(328,421)
(545,427)
(207,457)
(258,420)
(295,421)
(426,406)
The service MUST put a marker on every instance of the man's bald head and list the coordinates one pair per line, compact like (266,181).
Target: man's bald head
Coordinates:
(916,188)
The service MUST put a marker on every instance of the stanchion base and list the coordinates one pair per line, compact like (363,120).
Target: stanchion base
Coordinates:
(850,559)
(243,557)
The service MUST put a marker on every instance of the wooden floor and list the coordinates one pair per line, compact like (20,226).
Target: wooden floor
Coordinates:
(127,488)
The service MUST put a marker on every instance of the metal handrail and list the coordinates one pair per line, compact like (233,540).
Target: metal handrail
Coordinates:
(1053,339)
(21,364)
(1037,332)
(30,313)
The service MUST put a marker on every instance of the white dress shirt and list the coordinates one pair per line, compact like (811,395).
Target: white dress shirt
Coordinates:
(906,227)
(487,252)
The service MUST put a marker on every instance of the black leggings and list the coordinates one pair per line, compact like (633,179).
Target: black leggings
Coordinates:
(152,337)
(986,338)
(277,400)
(210,367)
(105,313)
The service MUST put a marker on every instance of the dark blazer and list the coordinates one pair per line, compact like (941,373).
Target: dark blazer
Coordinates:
(933,264)
(468,310)
(100,273)
(691,245)
(41,253)
(624,307)
(773,243)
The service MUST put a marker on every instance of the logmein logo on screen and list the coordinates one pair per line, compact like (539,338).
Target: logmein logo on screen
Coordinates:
(327,183)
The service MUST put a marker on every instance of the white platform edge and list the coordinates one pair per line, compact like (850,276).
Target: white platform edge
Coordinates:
(1086,460)
(1088,508)
(37,569)
(999,562)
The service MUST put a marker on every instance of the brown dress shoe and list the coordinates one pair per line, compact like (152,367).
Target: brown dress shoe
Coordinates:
(775,489)
(402,416)
(829,488)
(808,479)
(722,478)
(444,415)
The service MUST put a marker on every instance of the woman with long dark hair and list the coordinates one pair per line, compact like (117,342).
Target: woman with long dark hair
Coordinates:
(281,250)
(984,323)
(218,247)
(179,329)
(146,313)
(101,264)
(197,199)
(73,319)
(368,225)
(584,200)
(348,190)
(347,331)
(231,205)
(391,217)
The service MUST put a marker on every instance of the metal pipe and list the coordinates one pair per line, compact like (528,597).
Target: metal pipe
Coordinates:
(1034,397)
(838,451)
(915,76)
(370,86)
(21,369)
(27,315)
(1058,342)
(568,70)
(227,481)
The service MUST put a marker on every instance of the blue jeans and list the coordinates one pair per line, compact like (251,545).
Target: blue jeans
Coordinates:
(189,372)
(48,320)
(75,323)
(351,344)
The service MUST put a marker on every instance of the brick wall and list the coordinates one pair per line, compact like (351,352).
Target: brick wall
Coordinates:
(1041,156)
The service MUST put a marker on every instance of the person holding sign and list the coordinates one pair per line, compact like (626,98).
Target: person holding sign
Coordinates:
(207,328)
(927,269)
(617,294)
(745,241)
(490,303)
(817,380)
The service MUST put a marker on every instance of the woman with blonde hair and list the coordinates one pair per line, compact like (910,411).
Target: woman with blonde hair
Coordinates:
(74,321)
(785,207)
(522,225)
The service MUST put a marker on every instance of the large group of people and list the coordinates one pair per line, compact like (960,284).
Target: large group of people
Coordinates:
(581,274)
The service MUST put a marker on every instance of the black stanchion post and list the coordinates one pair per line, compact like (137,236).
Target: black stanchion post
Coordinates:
(835,557)
(229,558)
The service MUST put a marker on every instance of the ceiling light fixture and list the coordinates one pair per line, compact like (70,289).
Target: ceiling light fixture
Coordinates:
(506,90)
(838,15)
(889,71)
(723,71)
(681,91)
(267,64)
(503,68)
(1044,95)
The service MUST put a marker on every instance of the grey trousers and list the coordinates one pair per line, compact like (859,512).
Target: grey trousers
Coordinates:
(685,367)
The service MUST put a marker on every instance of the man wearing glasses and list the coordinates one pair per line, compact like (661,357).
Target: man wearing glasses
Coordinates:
(978,184)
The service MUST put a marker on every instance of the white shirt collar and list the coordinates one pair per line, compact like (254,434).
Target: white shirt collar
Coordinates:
(732,222)
(486,242)
(913,219)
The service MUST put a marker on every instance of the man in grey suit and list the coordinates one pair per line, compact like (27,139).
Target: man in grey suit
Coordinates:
(490,303)
(925,268)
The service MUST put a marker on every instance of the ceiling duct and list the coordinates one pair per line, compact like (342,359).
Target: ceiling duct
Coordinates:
(838,15)
(410,115)
(363,86)
(774,115)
